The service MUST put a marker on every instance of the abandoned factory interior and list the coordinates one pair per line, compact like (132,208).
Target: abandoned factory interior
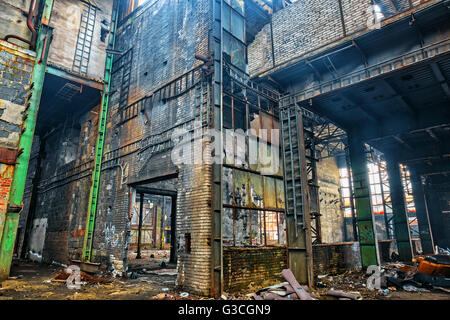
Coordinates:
(225,149)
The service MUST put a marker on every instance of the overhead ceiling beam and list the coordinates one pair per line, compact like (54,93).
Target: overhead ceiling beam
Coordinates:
(357,104)
(432,135)
(440,78)
(402,142)
(399,96)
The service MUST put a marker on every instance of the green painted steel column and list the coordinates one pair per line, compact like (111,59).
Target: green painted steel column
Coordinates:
(367,237)
(20,172)
(94,191)
(426,237)
(401,226)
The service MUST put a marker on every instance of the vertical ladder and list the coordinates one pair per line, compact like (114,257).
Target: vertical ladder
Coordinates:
(90,221)
(84,40)
(298,220)
(293,174)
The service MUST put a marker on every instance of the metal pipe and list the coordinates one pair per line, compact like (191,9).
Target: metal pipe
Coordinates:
(30,23)
(18,38)
(32,42)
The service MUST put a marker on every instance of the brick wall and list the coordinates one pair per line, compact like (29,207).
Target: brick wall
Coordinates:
(63,189)
(303,27)
(336,258)
(252,266)
(16,67)
(160,42)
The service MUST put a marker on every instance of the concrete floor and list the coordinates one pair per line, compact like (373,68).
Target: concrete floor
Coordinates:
(34,283)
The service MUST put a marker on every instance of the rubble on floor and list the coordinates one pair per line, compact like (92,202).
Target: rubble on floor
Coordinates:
(62,276)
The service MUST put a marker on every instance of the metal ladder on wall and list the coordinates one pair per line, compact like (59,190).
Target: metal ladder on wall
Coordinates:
(291,160)
(84,40)
(90,223)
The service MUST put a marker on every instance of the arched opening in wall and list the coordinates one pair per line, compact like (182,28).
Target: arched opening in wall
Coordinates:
(151,249)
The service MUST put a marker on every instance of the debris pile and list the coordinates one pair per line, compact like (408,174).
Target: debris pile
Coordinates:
(429,273)
(290,290)
(62,275)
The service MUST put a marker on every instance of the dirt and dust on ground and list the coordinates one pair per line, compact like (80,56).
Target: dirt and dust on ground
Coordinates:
(153,280)
(38,281)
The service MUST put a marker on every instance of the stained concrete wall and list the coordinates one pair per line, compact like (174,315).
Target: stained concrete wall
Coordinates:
(14,20)
(66,19)
(332,219)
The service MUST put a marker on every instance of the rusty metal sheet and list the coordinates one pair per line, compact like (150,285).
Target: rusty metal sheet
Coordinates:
(8,156)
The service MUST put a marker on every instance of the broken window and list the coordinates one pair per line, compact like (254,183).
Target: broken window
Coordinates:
(281,228)
(187,242)
(240,115)
(258,234)
(271,227)
(254,121)
(238,54)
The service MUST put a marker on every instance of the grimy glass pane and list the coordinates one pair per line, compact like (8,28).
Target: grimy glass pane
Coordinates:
(227,225)
(227,44)
(227,185)
(241,194)
(242,227)
(227,115)
(280,194)
(240,115)
(238,54)
(238,5)
(282,228)
(237,26)
(226,17)
(256,191)
(269,193)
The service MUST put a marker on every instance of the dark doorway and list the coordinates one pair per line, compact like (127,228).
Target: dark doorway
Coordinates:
(152,244)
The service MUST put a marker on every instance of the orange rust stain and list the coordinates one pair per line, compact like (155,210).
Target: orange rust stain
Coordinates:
(79,233)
